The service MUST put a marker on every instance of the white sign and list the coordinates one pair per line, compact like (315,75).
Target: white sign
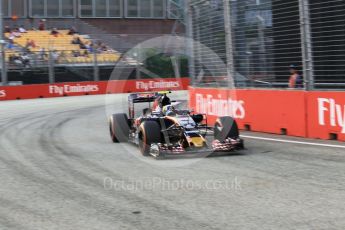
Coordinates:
(61,90)
(3,93)
(336,113)
(141,85)
(209,105)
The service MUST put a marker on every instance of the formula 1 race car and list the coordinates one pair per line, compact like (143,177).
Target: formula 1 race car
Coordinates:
(161,130)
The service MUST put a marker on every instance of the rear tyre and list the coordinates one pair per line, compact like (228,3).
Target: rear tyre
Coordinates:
(226,127)
(119,127)
(149,133)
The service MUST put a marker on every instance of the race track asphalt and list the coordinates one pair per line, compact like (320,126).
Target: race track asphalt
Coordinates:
(59,170)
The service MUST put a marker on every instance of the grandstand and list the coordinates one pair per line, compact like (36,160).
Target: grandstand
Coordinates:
(117,24)
(67,58)
(128,22)
(62,45)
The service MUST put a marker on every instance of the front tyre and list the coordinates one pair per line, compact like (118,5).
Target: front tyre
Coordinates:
(149,133)
(226,127)
(119,128)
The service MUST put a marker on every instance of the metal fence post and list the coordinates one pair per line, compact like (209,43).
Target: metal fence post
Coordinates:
(308,68)
(190,44)
(229,43)
(2,44)
(197,47)
(176,66)
(139,60)
(51,67)
(95,67)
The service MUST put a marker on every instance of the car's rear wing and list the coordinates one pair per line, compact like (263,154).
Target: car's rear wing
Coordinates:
(148,97)
(142,97)
(145,97)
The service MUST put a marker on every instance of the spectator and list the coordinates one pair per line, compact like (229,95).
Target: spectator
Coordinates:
(85,54)
(15,34)
(30,44)
(76,41)
(104,48)
(11,58)
(22,29)
(82,46)
(42,54)
(26,60)
(21,61)
(55,55)
(54,32)
(296,80)
(10,44)
(76,53)
(42,24)
(90,48)
(87,45)
(33,43)
(72,31)
(17,60)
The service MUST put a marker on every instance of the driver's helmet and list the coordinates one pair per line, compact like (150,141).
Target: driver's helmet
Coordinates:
(169,110)
(165,100)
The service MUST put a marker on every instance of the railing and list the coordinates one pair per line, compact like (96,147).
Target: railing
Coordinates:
(82,65)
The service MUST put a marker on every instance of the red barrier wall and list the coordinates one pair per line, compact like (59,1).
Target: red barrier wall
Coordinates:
(326,114)
(263,110)
(90,88)
(316,114)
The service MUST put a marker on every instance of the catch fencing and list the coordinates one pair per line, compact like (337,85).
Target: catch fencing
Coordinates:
(259,41)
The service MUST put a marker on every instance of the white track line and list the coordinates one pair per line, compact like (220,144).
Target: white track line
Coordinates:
(293,142)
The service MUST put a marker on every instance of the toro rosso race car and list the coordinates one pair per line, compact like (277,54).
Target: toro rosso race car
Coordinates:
(161,130)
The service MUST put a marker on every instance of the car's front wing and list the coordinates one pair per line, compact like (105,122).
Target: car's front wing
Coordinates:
(227,146)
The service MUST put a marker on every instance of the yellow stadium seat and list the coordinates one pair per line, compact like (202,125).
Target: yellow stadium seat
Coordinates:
(62,44)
